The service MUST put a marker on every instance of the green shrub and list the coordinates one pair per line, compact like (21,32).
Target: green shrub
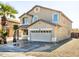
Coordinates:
(4,33)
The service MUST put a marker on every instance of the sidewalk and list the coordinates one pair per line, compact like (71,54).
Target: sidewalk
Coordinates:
(12,54)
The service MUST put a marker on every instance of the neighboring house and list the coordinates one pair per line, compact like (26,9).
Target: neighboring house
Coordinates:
(9,24)
(75,33)
(45,25)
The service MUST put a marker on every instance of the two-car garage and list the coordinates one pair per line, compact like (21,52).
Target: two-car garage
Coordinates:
(41,35)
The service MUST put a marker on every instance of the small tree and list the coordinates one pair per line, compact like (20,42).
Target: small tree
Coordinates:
(15,27)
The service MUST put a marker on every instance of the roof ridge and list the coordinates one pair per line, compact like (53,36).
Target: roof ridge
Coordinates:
(46,8)
(38,6)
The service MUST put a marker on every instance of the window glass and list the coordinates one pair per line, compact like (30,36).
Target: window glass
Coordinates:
(25,32)
(25,20)
(34,18)
(43,31)
(55,18)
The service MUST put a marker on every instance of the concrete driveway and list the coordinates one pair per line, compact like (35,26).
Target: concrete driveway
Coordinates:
(42,46)
(31,47)
(10,48)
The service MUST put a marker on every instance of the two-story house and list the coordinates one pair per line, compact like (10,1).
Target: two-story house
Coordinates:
(45,25)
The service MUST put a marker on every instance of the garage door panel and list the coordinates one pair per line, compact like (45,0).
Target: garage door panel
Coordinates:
(41,36)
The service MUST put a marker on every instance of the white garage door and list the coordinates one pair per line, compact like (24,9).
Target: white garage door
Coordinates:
(44,35)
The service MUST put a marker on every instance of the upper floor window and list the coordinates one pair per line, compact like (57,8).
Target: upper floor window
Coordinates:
(25,20)
(55,18)
(34,18)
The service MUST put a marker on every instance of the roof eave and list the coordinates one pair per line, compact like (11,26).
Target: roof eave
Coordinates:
(44,21)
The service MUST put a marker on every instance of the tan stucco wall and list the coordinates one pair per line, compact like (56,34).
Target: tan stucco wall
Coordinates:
(60,33)
(66,27)
(65,22)
(21,32)
(10,28)
(44,14)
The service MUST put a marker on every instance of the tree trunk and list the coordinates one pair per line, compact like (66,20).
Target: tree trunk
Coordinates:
(17,34)
(14,36)
(5,42)
(3,23)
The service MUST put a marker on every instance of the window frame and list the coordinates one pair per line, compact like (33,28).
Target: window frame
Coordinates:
(55,17)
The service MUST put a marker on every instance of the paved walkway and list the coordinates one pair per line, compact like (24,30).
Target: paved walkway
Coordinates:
(12,54)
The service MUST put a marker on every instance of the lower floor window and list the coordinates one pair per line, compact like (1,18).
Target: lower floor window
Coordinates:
(25,32)
(43,31)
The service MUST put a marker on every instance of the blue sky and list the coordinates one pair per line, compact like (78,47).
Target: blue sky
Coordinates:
(69,8)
